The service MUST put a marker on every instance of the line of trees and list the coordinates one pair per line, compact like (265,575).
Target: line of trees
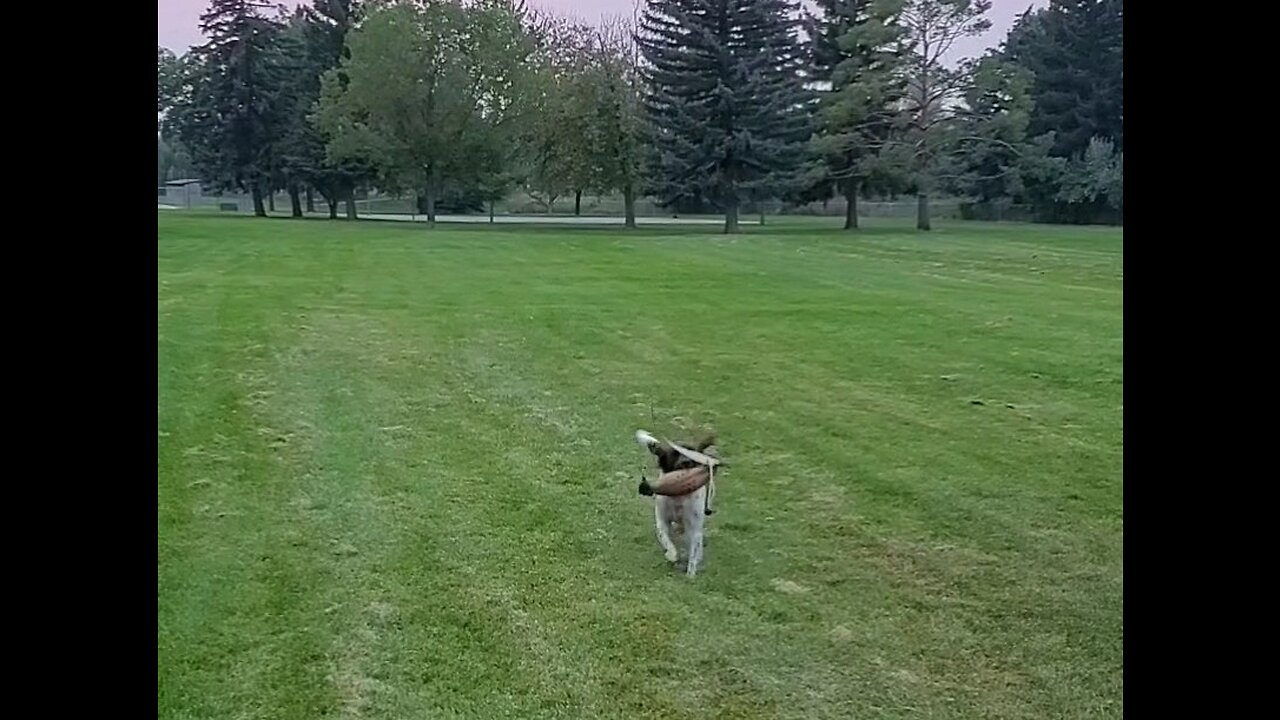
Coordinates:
(701,104)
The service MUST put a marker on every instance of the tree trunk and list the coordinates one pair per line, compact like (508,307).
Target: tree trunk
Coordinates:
(490,212)
(333,208)
(851,206)
(761,208)
(577,203)
(629,205)
(295,202)
(731,217)
(351,205)
(551,203)
(311,201)
(433,189)
(430,201)
(922,211)
(258,208)
(271,201)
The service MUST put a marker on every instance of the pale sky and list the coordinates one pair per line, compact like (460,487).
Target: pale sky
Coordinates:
(178,21)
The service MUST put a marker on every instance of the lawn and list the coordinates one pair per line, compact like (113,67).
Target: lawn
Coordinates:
(397,479)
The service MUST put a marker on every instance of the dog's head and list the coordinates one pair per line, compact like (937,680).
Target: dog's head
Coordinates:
(669,459)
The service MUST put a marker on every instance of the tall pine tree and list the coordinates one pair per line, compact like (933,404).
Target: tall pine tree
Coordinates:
(237,108)
(325,26)
(725,96)
(1074,50)
(994,159)
(855,55)
(288,161)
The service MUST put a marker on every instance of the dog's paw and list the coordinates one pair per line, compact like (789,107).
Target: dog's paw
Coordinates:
(672,555)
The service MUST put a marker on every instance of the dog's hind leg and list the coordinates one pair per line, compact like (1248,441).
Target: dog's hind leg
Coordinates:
(664,533)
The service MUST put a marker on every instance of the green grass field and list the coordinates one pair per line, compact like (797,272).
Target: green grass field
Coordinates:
(397,479)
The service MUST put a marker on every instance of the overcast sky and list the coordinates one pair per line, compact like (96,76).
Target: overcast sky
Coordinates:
(178,21)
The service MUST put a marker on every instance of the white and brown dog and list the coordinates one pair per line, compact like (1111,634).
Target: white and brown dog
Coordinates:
(681,512)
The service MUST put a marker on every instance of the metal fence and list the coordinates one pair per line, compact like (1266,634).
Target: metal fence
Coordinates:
(611,205)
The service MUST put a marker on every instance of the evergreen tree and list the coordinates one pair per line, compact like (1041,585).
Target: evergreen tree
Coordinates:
(854,54)
(288,163)
(725,96)
(236,109)
(1093,183)
(1075,50)
(320,31)
(169,78)
(995,161)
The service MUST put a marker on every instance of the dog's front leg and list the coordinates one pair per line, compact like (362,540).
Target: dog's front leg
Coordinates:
(693,522)
(664,532)
(695,552)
